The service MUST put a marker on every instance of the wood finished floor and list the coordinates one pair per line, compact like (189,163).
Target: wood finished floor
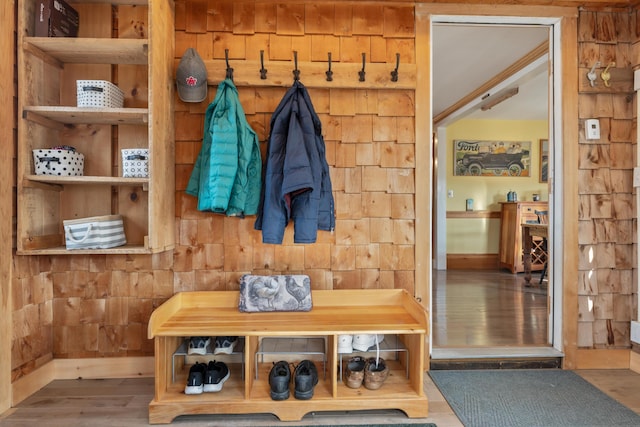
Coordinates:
(124,403)
(487,309)
(473,309)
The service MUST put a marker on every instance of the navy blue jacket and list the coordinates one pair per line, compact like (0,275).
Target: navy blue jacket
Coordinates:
(296,185)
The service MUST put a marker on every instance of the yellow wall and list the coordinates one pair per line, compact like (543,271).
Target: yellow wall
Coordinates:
(480,236)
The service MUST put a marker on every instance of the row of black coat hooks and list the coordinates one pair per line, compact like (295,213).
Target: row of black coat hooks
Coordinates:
(296,71)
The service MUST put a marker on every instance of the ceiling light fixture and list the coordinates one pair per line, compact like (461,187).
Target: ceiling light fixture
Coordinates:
(493,100)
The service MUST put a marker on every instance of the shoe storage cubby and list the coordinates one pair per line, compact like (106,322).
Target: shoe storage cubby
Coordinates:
(394,313)
(286,348)
(129,43)
(390,349)
(182,360)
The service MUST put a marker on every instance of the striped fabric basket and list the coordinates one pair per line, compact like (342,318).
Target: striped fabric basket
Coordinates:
(98,232)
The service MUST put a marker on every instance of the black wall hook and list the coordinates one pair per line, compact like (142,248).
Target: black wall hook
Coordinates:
(229,69)
(329,73)
(263,71)
(296,72)
(394,73)
(361,73)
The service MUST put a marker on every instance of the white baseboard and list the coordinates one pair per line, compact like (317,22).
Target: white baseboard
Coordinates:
(67,369)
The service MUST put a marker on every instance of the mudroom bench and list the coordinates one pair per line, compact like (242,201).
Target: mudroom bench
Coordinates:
(392,312)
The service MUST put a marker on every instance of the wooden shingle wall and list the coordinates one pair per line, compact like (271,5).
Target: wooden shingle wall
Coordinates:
(607,217)
(369,135)
(32,301)
(76,306)
(95,306)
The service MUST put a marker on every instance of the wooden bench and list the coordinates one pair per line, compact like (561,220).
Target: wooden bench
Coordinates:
(335,312)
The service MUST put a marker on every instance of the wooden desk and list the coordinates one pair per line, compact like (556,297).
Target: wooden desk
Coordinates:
(513,215)
(528,232)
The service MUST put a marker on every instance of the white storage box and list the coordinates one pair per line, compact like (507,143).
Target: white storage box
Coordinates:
(97,232)
(59,162)
(99,94)
(135,163)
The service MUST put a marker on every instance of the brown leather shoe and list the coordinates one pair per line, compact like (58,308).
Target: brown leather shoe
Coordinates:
(375,374)
(354,372)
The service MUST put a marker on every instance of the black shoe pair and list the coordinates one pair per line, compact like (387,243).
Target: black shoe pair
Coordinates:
(206,377)
(305,378)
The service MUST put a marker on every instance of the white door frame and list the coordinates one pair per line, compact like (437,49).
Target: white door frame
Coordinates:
(555,167)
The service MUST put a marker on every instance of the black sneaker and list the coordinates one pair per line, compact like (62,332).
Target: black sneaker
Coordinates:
(198,345)
(215,376)
(225,345)
(279,379)
(305,378)
(195,382)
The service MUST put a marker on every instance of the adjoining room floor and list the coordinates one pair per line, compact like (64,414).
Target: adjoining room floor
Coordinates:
(487,308)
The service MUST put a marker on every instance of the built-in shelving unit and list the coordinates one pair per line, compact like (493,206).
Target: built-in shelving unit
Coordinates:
(127,42)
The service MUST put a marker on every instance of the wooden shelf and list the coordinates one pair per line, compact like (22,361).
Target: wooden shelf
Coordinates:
(90,50)
(114,2)
(83,180)
(75,115)
(335,312)
(62,250)
(473,214)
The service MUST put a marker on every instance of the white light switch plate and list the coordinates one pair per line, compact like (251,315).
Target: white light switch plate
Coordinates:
(592,128)
(636,177)
(635,332)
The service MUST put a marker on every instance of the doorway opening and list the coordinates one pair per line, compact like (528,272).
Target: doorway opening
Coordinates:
(493,100)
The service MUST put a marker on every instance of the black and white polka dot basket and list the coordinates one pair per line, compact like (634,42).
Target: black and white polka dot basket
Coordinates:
(99,94)
(135,163)
(59,162)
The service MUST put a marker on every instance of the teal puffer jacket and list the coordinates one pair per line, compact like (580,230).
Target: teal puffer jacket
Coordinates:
(226,177)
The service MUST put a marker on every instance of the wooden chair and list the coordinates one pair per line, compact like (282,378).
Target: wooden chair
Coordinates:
(543,218)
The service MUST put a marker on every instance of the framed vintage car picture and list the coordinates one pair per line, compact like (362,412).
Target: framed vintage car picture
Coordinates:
(492,158)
